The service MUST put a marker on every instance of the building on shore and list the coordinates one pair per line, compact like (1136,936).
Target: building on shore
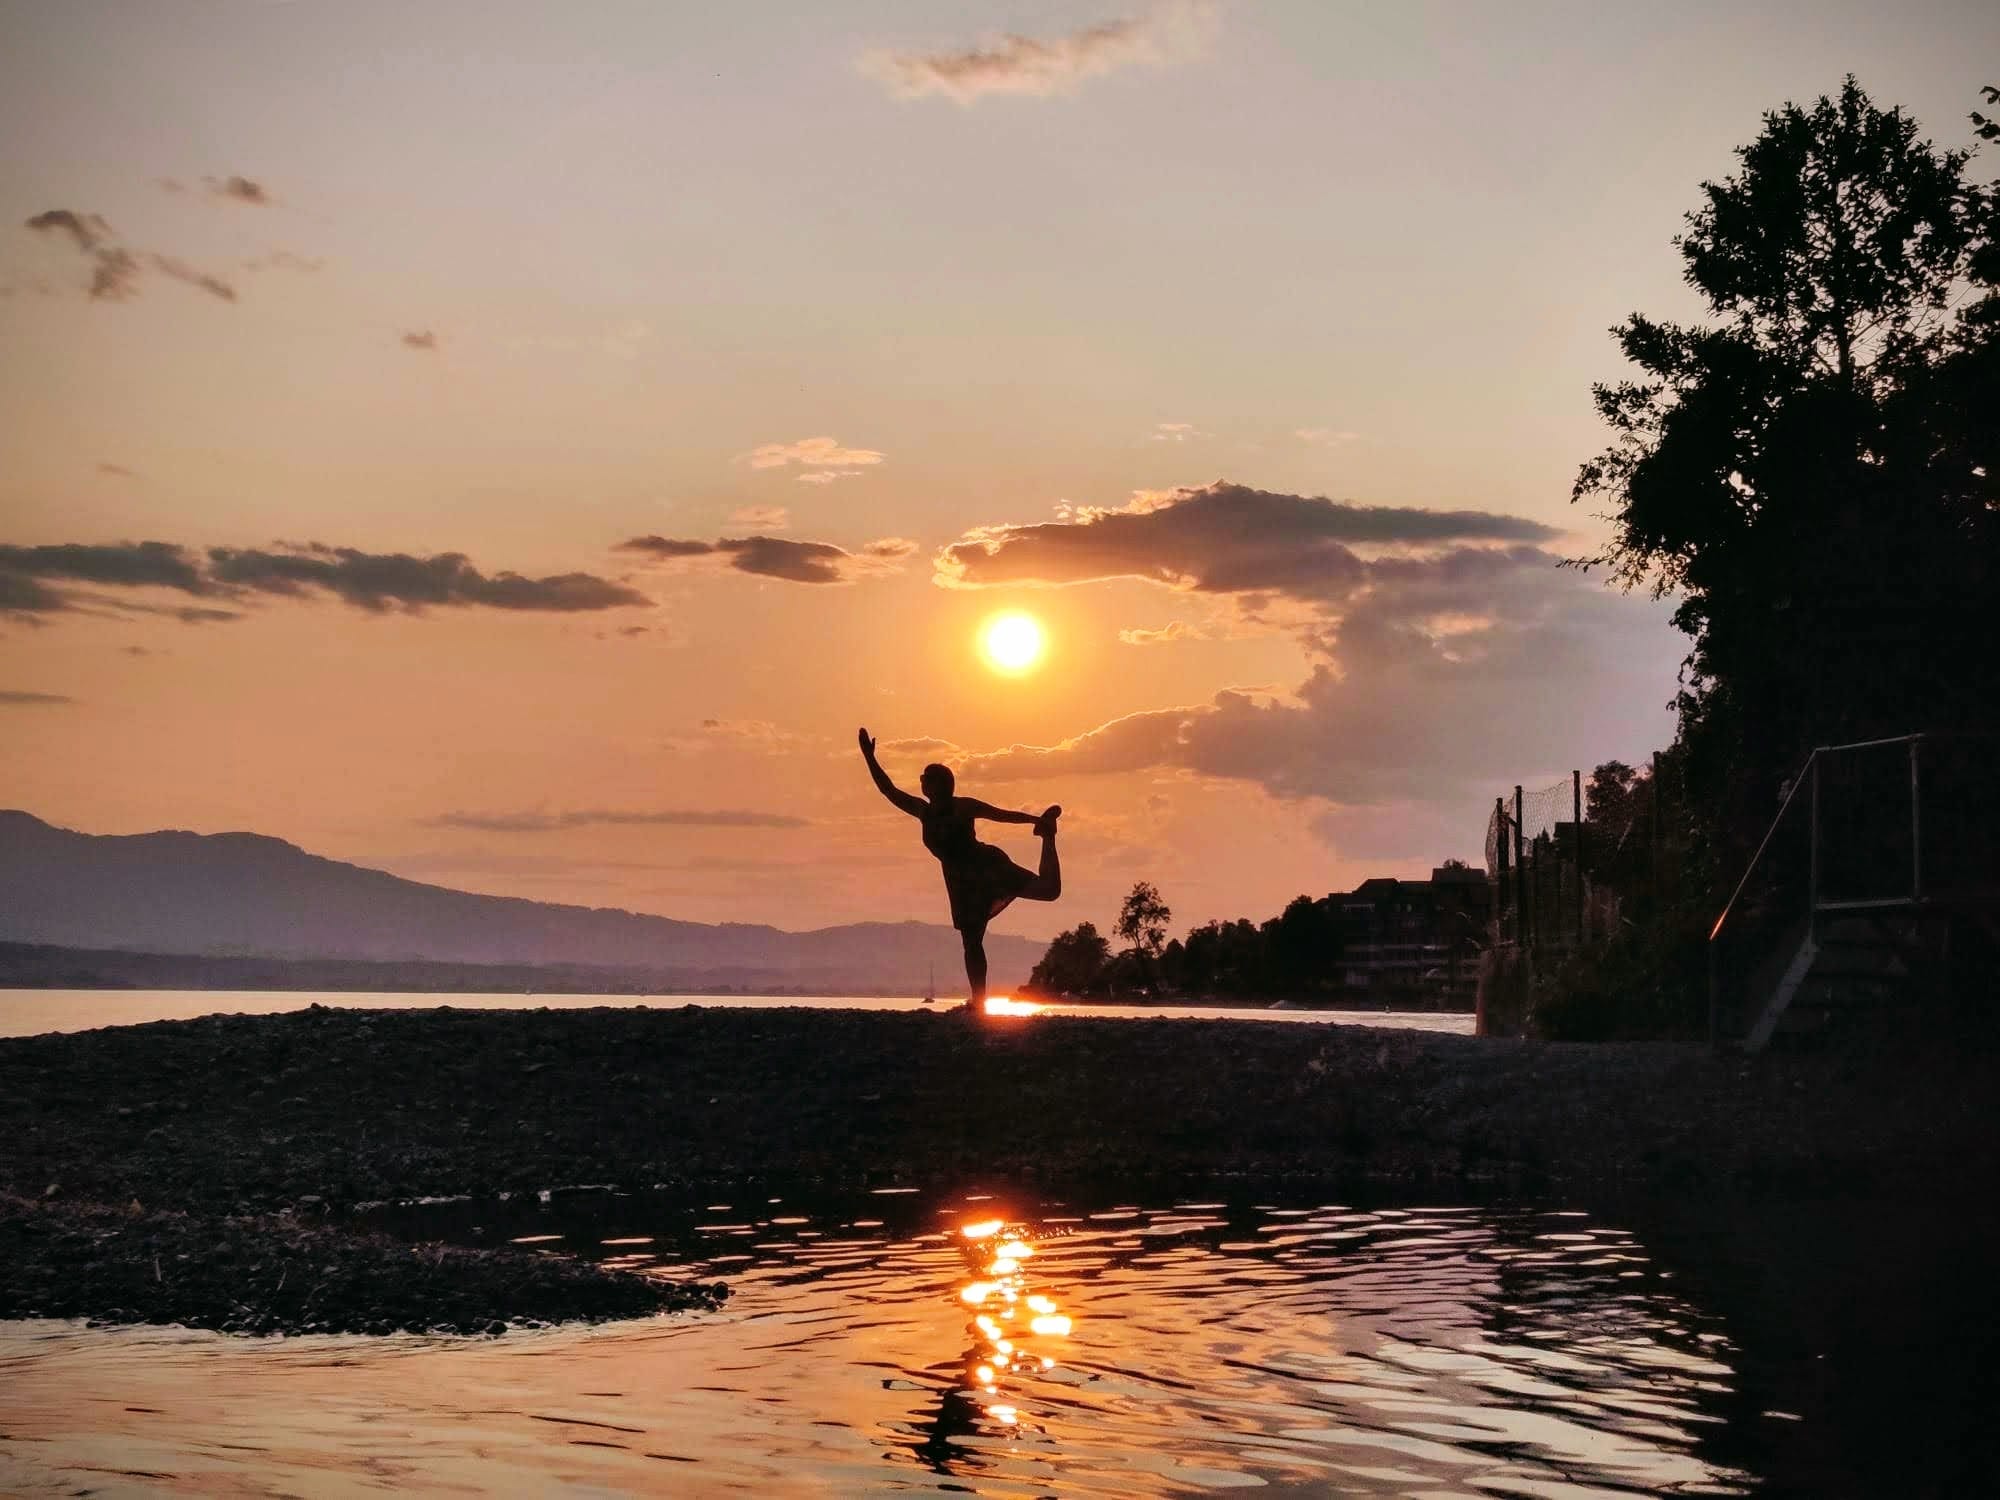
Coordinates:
(1415,942)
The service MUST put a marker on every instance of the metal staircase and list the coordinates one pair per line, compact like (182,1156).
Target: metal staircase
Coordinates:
(1881,862)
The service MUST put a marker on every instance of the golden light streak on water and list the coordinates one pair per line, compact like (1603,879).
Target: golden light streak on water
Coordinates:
(1003,1005)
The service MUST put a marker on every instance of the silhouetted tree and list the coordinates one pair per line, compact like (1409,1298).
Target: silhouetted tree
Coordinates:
(1074,962)
(1142,920)
(1813,471)
(1303,944)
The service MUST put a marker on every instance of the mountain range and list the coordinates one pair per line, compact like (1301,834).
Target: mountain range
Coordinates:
(249,895)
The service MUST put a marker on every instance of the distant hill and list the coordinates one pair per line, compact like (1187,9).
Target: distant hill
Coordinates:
(243,894)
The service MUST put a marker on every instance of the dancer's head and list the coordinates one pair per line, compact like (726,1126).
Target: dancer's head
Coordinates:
(937,782)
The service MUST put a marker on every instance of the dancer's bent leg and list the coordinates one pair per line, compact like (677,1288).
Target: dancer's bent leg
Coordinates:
(1048,881)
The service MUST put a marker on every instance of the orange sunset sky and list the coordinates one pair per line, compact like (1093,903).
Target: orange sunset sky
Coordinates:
(515,445)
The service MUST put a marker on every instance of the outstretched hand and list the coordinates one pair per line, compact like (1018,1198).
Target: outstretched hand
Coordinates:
(867,744)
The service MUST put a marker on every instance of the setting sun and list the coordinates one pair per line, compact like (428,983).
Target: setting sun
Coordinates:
(1012,642)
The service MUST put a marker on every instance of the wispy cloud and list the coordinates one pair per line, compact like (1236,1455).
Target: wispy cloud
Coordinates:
(1175,432)
(13,699)
(1323,437)
(116,471)
(39,580)
(420,338)
(237,190)
(779,557)
(86,231)
(379,581)
(1177,630)
(214,285)
(114,269)
(813,453)
(1169,33)
(553,822)
(283,260)
(762,517)
(826,476)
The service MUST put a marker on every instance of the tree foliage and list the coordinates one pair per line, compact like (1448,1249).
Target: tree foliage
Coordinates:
(1142,920)
(1072,963)
(1811,471)
(1296,953)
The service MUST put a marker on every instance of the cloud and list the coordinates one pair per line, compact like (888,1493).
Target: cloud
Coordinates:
(237,190)
(548,822)
(120,564)
(757,735)
(420,338)
(31,579)
(826,476)
(87,231)
(666,547)
(379,581)
(1323,437)
(1441,678)
(116,471)
(762,517)
(1221,538)
(1175,432)
(813,452)
(13,699)
(1177,630)
(115,270)
(215,286)
(780,557)
(284,260)
(922,745)
(1011,64)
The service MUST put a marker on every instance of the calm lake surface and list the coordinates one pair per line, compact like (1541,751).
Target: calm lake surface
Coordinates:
(896,1343)
(32,1012)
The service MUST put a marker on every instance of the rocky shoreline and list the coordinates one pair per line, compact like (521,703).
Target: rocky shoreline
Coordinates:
(204,1172)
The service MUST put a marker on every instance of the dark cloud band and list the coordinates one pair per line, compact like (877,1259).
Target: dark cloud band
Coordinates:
(1220,538)
(779,557)
(31,579)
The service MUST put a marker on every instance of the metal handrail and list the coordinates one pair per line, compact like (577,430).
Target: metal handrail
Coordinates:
(1798,781)
(1758,858)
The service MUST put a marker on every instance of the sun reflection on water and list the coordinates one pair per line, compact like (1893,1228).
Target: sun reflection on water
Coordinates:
(1015,1327)
(1002,1005)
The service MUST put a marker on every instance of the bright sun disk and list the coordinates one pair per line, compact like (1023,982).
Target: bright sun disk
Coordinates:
(1012,642)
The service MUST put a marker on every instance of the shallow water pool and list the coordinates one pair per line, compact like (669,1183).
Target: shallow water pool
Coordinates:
(897,1342)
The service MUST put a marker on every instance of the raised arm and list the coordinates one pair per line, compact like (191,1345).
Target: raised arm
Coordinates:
(914,806)
(994,814)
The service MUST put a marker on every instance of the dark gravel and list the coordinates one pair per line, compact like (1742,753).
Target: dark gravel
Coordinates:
(228,1129)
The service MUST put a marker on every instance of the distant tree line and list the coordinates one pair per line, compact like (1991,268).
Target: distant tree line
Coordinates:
(1295,954)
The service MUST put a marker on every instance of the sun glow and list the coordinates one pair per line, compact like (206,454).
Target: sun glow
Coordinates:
(1013,643)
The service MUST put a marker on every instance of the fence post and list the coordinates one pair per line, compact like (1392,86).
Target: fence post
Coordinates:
(1916,826)
(1654,852)
(1576,817)
(1523,917)
(1812,858)
(1500,863)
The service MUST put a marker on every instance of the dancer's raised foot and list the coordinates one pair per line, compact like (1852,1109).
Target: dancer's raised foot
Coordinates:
(1045,825)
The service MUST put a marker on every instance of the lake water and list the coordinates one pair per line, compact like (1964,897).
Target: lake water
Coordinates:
(32,1012)
(894,1343)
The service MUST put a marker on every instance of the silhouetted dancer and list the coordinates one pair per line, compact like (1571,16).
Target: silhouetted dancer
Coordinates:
(979,878)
